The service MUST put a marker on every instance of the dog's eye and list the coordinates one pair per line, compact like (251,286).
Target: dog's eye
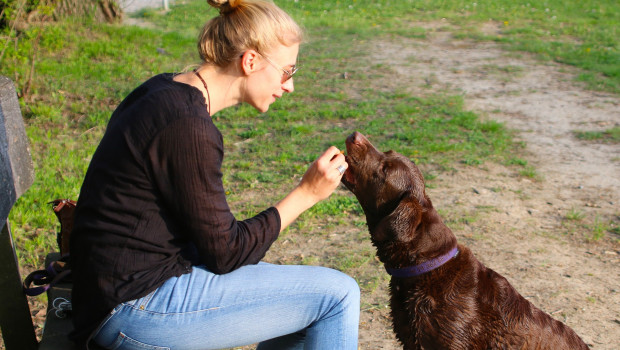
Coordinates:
(380,171)
(384,167)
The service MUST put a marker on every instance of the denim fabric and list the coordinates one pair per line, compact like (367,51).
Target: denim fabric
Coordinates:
(278,306)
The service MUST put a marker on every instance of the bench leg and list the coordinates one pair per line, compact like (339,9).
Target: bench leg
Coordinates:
(15,320)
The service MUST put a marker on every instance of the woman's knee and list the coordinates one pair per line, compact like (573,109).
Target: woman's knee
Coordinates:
(342,286)
(351,287)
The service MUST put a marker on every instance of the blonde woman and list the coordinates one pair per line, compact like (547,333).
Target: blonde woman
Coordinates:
(159,261)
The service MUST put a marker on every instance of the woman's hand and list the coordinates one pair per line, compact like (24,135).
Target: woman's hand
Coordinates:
(318,183)
(323,176)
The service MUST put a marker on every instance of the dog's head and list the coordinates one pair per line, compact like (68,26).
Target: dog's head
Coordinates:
(386,184)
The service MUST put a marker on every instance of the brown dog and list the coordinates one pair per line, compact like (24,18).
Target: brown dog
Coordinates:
(442,297)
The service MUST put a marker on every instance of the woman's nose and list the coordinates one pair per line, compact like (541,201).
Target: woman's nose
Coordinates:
(288,85)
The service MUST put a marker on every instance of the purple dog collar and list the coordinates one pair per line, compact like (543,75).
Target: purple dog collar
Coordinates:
(417,270)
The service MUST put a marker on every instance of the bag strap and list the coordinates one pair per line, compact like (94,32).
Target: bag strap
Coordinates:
(45,279)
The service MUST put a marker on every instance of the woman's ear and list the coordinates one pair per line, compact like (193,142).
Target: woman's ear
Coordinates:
(249,62)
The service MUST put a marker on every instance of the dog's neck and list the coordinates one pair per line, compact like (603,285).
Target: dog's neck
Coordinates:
(422,240)
(425,267)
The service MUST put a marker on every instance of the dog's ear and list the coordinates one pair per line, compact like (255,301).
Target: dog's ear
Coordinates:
(418,194)
(417,187)
(401,224)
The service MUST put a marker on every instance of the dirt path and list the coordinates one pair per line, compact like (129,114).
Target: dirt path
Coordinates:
(515,225)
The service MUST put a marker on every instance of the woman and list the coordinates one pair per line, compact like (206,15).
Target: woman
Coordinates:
(159,261)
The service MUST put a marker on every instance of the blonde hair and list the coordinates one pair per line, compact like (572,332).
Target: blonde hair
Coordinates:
(243,25)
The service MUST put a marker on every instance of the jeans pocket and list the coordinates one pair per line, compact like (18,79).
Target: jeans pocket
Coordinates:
(123,342)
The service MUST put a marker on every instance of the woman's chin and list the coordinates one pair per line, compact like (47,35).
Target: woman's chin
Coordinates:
(261,108)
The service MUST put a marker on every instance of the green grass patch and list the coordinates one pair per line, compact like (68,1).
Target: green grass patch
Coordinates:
(592,229)
(608,136)
(584,34)
(574,215)
(82,70)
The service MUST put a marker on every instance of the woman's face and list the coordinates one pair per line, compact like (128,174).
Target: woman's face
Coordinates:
(264,85)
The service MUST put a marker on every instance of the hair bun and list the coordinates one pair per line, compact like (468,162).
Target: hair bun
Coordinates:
(224,6)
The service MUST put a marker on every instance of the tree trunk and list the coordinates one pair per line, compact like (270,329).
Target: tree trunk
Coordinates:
(26,12)
(101,10)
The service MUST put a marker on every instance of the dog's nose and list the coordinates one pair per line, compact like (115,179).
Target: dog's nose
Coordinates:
(357,138)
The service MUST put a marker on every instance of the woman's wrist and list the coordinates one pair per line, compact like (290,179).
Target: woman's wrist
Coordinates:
(295,203)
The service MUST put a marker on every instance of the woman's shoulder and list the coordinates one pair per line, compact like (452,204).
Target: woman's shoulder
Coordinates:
(160,103)
(164,83)
(152,88)
(181,96)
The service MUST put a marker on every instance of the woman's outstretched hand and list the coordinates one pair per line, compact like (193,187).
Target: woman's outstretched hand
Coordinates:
(323,176)
(317,184)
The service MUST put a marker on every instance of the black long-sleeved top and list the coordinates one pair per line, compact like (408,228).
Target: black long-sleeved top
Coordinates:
(153,204)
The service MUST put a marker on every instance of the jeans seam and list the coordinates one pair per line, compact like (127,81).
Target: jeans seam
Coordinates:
(107,319)
(146,300)
(141,303)
(124,338)
(208,309)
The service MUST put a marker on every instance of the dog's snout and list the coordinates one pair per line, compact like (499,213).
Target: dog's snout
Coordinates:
(351,138)
(357,138)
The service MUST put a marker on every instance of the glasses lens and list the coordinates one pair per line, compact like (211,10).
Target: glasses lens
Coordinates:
(288,74)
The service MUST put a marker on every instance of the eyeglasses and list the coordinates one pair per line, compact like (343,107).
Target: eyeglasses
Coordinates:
(287,74)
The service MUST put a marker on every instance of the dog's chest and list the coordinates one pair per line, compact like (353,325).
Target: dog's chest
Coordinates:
(410,306)
(419,322)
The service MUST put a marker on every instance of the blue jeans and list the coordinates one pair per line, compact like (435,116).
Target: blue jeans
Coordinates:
(277,306)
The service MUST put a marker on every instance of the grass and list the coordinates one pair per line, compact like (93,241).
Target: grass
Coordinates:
(575,215)
(82,70)
(505,73)
(526,170)
(579,33)
(607,136)
(593,229)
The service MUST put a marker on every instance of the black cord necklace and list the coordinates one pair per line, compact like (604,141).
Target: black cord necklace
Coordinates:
(207,89)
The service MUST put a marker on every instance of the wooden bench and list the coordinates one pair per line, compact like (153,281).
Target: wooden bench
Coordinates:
(16,176)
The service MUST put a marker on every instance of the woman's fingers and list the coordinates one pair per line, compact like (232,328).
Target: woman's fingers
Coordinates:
(323,176)
(336,162)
